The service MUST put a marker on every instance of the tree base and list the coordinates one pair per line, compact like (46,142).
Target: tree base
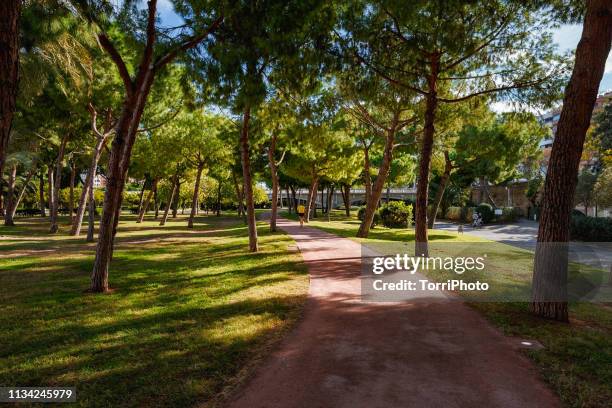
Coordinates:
(551,310)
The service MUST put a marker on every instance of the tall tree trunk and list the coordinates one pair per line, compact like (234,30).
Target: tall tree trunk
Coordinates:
(549,291)
(89,183)
(156,204)
(330,197)
(274,176)
(289,202)
(145,207)
(248,183)
(92,211)
(71,203)
(41,192)
(312,196)
(50,185)
(141,198)
(170,201)
(448,167)
(421,246)
(176,201)
(10,12)
(119,160)
(26,182)
(294,200)
(196,192)
(379,183)
(367,177)
(239,195)
(10,197)
(57,184)
(346,191)
(219,198)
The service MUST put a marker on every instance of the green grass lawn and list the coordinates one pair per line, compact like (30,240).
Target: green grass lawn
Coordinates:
(577,358)
(191,311)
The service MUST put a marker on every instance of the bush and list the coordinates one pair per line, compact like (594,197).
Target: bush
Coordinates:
(509,214)
(486,212)
(591,229)
(460,214)
(396,214)
(375,220)
(454,213)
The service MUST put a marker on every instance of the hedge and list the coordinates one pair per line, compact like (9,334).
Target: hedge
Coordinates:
(591,229)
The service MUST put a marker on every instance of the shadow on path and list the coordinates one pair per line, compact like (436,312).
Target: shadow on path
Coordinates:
(348,353)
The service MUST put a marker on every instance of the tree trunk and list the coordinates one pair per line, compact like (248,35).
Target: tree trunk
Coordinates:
(119,160)
(156,204)
(330,196)
(89,182)
(10,11)
(346,191)
(91,210)
(50,185)
(367,178)
(248,183)
(141,198)
(312,196)
(294,199)
(274,176)
(196,192)
(239,195)
(57,184)
(219,198)
(145,207)
(170,201)
(71,203)
(549,292)
(22,192)
(448,166)
(41,192)
(381,179)
(176,201)
(10,197)
(421,247)
(289,201)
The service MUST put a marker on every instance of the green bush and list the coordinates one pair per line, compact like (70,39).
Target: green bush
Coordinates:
(509,214)
(375,220)
(396,214)
(591,229)
(486,212)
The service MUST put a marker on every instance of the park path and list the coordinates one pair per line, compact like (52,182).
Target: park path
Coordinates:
(346,353)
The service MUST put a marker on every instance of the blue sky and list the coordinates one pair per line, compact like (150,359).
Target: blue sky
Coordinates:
(567,37)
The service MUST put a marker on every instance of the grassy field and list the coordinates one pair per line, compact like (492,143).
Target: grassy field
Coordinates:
(190,313)
(577,358)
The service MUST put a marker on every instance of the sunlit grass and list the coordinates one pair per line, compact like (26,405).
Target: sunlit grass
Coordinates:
(190,309)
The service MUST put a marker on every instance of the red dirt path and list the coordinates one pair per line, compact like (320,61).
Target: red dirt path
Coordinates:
(345,353)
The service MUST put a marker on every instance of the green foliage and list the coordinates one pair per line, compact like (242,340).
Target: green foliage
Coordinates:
(375,221)
(591,229)
(585,193)
(486,212)
(396,214)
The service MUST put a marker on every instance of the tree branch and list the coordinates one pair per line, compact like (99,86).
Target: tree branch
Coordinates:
(189,43)
(109,47)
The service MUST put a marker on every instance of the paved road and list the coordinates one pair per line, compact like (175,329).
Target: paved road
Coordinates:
(524,234)
(347,353)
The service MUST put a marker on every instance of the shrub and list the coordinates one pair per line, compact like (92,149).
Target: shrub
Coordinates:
(468,214)
(591,228)
(375,220)
(486,212)
(454,213)
(396,214)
